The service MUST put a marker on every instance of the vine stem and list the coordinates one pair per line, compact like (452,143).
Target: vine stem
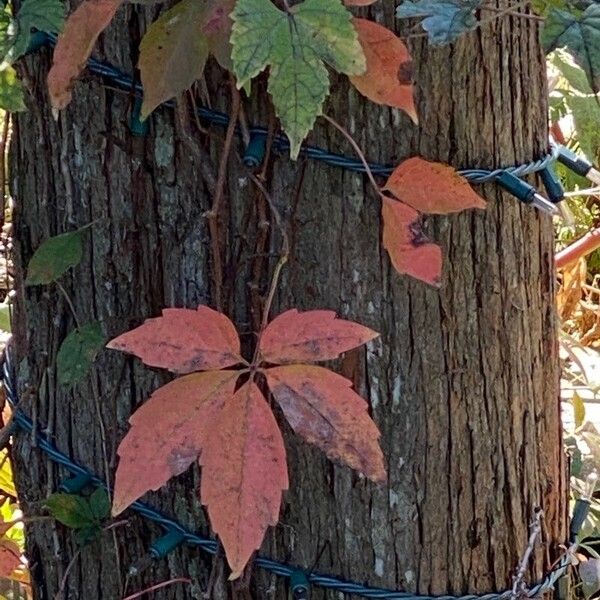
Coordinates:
(159,586)
(283,258)
(96,397)
(213,213)
(359,153)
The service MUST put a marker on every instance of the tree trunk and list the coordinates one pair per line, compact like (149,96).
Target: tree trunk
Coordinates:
(463,382)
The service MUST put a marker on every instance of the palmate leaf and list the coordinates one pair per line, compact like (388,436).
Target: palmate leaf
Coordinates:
(296,45)
(234,434)
(580,35)
(443,20)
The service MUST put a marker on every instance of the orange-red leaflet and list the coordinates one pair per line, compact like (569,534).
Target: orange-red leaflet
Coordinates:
(388,78)
(184,341)
(234,434)
(431,187)
(410,251)
(75,44)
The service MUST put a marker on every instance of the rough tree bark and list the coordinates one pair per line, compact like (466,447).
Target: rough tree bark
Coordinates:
(463,382)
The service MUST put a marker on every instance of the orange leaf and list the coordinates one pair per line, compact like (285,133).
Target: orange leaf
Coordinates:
(184,340)
(322,408)
(314,335)
(431,187)
(10,557)
(168,433)
(388,78)
(75,45)
(410,251)
(243,475)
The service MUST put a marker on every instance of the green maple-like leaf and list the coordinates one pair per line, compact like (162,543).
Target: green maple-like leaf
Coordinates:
(443,20)
(580,35)
(296,45)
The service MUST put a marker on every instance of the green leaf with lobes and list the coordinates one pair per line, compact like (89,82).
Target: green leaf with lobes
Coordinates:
(388,78)
(580,35)
(78,352)
(55,257)
(232,433)
(322,408)
(184,341)
(75,44)
(443,20)
(410,251)
(174,50)
(295,44)
(432,188)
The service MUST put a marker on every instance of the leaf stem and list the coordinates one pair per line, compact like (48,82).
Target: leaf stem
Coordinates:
(358,151)
(283,258)
(69,302)
(159,586)
(213,213)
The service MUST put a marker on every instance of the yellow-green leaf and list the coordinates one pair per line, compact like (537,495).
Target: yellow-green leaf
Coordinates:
(578,409)
(296,44)
(175,48)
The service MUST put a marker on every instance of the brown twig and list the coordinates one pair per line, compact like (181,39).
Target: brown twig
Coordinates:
(213,213)
(518,588)
(158,586)
(283,258)
(359,153)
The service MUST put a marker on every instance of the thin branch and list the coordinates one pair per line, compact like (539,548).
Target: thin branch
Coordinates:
(536,527)
(213,213)
(158,586)
(69,302)
(358,151)
(283,258)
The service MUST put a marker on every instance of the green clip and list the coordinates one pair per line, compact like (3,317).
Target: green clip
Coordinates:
(138,128)
(37,40)
(74,485)
(167,543)
(255,150)
(299,585)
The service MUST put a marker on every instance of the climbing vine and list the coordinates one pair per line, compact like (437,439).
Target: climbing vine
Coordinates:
(217,412)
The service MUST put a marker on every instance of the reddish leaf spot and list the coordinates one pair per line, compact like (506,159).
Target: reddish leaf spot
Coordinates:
(409,250)
(75,45)
(387,79)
